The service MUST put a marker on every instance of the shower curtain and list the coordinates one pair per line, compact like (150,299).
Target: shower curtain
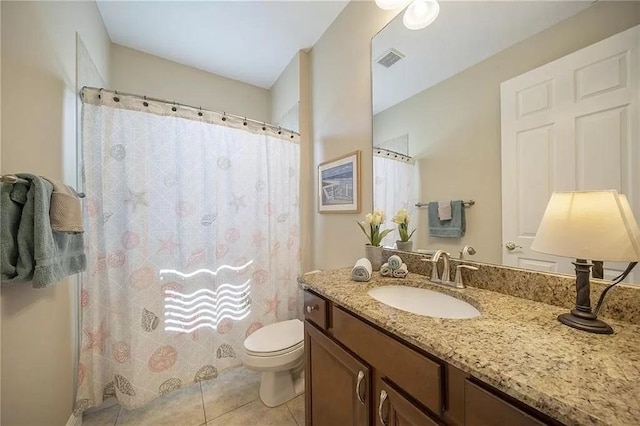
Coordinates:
(192,239)
(394,189)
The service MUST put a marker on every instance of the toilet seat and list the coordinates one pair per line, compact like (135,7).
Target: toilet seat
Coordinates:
(276,339)
(275,353)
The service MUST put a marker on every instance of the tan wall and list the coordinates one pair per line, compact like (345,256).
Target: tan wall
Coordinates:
(341,121)
(458,123)
(140,73)
(285,95)
(38,133)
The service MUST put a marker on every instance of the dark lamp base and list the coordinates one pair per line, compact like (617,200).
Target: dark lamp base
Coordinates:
(585,323)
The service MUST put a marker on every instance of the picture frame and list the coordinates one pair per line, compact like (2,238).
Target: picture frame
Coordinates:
(339,184)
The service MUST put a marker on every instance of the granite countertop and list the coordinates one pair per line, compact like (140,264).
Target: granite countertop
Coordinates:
(516,345)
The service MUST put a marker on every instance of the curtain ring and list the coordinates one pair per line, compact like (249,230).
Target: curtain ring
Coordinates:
(145,103)
(116,98)
(244,123)
(100,93)
(264,127)
(200,112)
(224,116)
(174,108)
(279,130)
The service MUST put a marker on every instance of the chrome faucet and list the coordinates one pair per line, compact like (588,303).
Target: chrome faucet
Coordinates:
(444,279)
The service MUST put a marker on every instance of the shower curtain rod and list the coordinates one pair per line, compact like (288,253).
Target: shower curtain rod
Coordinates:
(395,154)
(273,127)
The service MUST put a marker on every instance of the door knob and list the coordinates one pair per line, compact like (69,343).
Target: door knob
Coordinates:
(510,245)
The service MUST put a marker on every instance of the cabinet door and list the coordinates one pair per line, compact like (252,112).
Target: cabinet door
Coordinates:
(486,409)
(393,409)
(337,383)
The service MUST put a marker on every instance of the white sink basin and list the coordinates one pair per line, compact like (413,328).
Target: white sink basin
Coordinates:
(424,302)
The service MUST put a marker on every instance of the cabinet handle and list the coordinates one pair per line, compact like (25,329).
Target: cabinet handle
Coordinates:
(311,308)
(360,377)
(383,398)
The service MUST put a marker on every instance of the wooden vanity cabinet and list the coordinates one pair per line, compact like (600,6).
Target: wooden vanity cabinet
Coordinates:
(358,374)
(338,383)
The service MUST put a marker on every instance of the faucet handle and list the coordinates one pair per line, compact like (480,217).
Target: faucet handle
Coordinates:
(467,251)
(458,279)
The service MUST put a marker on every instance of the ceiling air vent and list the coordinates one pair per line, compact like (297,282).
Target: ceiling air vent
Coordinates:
(390,57)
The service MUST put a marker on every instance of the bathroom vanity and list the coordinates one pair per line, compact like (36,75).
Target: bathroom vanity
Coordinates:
(370,364)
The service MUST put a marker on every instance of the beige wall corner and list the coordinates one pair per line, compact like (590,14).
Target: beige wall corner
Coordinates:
(306,165)
(38,327)
(285,96)
(341,116)
(140,73)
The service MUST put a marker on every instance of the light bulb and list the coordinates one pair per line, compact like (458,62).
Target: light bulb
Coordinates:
(389,4)
(420,14)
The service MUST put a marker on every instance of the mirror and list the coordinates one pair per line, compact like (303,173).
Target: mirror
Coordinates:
(437,109)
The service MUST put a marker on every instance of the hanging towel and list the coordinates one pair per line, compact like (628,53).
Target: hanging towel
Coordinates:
(454,228)
(30,249)
(66,209)
(362,270)
(444,210)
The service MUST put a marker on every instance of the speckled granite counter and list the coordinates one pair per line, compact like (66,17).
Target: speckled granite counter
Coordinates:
(516,345)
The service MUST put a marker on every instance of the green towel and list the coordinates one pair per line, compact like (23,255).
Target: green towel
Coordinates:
(30,250)
(454,228)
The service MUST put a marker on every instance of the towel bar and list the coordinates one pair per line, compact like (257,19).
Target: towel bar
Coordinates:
(468,203)
(15,179)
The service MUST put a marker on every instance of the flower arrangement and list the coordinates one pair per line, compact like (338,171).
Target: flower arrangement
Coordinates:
(373,221)
(402,219)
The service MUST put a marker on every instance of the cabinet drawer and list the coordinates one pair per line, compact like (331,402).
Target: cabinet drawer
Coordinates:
(483,408)
(315,309)
(417,375)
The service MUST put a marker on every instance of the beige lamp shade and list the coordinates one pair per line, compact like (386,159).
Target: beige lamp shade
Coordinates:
(592,225)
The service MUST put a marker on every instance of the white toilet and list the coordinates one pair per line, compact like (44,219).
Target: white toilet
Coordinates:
(277,351)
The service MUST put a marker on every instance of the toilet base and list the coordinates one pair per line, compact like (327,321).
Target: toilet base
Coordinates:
(278,387)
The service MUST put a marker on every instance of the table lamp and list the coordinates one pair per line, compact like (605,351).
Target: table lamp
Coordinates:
(589,225)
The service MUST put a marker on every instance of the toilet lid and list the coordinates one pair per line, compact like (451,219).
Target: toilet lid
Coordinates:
(276,337)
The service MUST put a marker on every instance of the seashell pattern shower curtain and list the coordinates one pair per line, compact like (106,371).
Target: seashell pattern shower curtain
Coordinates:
(192,239)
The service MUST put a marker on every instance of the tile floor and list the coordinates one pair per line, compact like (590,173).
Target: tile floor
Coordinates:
(230,400)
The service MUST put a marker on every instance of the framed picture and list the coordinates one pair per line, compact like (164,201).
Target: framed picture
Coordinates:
(339,184)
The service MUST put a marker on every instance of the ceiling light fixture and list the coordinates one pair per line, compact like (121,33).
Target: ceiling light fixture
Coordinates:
(390,4)
(420,13)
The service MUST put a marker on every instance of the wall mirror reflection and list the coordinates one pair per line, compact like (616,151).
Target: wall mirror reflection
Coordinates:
(470,110)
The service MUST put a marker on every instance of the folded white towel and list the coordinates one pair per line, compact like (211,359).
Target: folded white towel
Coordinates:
(444,210)
(401,272)
(394,262)
(362,270)
(385,270)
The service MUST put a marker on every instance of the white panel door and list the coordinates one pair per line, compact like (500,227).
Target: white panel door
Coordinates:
(572,124)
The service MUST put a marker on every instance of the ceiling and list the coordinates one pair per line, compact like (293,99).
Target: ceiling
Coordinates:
(249,41)
(464,34)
